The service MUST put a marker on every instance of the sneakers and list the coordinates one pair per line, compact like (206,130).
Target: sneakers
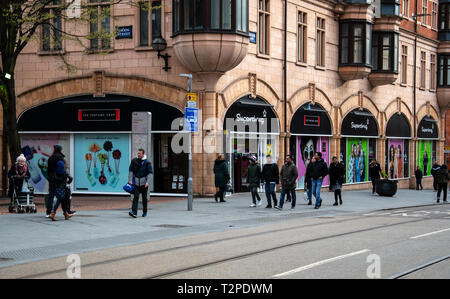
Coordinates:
(278,207)
(132,214)
(293,209)
(252,205)
(144,214)
(259,203)
(268,207)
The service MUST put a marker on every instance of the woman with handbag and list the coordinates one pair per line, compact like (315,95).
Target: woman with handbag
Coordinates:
(222,177)
(337,172)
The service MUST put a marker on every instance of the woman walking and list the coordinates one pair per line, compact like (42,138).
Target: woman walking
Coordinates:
(337,172)
(254,181)
(222,176)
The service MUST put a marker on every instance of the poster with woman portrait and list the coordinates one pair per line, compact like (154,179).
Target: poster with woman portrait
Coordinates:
(424,155)
(357,160)
(307,146)
(395,158)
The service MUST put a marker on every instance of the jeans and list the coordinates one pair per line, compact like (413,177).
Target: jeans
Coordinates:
(270,192)
(255,195)
(143,191)
(440,188)
(309,192)
(285,191)
(316,185)
(51,196)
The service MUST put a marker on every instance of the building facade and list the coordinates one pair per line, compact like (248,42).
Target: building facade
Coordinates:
(353,79)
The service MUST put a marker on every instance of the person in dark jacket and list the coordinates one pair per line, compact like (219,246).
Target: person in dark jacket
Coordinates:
(288,176)
(51,170)
(139,175)
(221,177)
(61,178)
(419,176)
(442,178)
(271,178)
(375,173)
(254,181)
(337,172)
(434,171)
(308,181)
(319,170)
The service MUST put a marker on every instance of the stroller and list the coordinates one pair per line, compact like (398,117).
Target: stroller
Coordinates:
(22,199)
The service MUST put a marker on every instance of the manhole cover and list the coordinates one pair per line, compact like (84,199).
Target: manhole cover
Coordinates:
(170,226)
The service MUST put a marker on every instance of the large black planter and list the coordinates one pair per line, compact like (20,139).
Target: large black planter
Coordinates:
(386,187)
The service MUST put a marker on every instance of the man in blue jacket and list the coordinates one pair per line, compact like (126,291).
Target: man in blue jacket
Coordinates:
(139,176)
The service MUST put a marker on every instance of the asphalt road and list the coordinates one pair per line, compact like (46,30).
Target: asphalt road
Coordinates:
(382,244)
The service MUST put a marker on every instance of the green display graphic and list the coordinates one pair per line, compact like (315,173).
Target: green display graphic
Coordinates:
(357,160)
(424,154)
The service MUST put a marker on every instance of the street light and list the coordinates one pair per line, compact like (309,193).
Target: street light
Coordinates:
(190,182)
(160,44)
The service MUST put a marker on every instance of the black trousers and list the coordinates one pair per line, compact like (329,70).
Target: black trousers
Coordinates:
(255,195)
(143,191)
(435,184)
(440,188)
(337,193)
(50,197)
(374,185)
(220,194)
(419,183)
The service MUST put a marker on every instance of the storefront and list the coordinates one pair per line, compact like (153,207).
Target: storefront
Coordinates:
(95,134)
(427,135)
(397,148)
(251,127)
(310,133)
(359,133)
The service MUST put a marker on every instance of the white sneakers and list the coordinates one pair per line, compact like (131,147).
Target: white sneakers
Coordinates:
(258,204)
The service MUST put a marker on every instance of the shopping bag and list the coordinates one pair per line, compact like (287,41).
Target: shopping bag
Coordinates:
(128,188)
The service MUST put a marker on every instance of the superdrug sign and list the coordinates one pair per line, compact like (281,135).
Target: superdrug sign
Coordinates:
(359,123)
(427,129)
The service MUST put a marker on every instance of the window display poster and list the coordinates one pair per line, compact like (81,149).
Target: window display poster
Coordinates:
(307,146)
(357,160)
(395,158)
(37,148)
(424,154)
(101,162)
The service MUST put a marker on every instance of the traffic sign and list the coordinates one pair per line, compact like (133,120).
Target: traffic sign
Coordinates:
(191,119)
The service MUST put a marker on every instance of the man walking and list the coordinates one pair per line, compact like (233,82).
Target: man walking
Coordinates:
(221,177)
(288,175)
(51,172)
(308,181)
(419,176)
(375,173)
(140,170)
(434,171)
(271,178)
(442,178)
(254,181)
(319,170)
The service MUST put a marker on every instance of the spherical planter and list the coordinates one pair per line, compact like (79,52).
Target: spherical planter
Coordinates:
(386,187)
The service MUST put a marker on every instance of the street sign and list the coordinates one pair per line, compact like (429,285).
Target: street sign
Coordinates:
(191,96)
(191,119)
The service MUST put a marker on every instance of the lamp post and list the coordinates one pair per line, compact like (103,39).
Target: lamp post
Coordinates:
(160,44)
(190,181)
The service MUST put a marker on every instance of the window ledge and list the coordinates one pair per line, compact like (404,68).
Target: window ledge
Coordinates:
(99,51)
(403,85)
(422,88)
(263,56)
(144,48)
(302,64)
(432,90)
(320,68)
(50,52)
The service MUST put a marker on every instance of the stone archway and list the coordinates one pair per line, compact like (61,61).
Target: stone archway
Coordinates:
(397,106)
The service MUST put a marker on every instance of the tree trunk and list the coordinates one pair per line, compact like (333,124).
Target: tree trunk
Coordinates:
(10,121)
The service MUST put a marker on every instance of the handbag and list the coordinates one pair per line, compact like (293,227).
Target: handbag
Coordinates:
(128,188)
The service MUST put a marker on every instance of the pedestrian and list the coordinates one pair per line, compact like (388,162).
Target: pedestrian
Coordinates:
(17,175)
(288,176)
(60,180)
(419,176)
(442,178)
(271,178)
(308,181)
(337,173)
(52,162)
(139,176)
(375,173)
(254,181)
(65,203)
(434,170)
(319,170)
(222,177)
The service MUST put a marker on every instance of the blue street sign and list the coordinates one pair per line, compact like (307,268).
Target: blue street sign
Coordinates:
(191,119)
(252,37)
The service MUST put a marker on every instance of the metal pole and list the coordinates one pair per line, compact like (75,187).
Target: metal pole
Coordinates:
(190,181)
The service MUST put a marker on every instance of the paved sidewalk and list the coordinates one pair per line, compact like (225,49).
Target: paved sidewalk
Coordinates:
(32,237)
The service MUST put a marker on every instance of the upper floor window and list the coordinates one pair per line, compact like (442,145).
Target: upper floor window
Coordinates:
(320,42)
(404,64)
(390,7)
(149,21)
(444,16)
(264,26)
(302,36)
(434,15)
(444,70)
(385,52)
(210,16)
(355,43)
(423,65)
(52,27)
(432,71)
(100,24)
(425,12)
(405,8)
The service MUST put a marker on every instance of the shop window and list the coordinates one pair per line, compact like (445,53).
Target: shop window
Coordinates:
(210,16)
(355,43)
(356,153)
(320,42)
(52,27)
(426,155)
(444,70)
(264,26)
(385,52)
(100,24)
(149,21)
(302,36)
(397,158)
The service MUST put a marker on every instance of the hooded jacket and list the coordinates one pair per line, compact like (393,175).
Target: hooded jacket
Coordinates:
(140,171)
(289,175)
(222,175)
(53,162)
(319,169)
(254,175)
(442,175)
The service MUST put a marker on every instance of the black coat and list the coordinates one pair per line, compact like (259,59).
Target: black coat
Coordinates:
(308,179)
(52,161)
(337,173)
(319,169)
(222,175)
(442,176)
(418,174)
(374,171)
(270,173)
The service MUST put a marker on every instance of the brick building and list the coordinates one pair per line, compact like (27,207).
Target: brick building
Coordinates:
(363,80)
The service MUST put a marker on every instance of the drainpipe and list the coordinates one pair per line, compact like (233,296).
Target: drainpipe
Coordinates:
(285,78)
